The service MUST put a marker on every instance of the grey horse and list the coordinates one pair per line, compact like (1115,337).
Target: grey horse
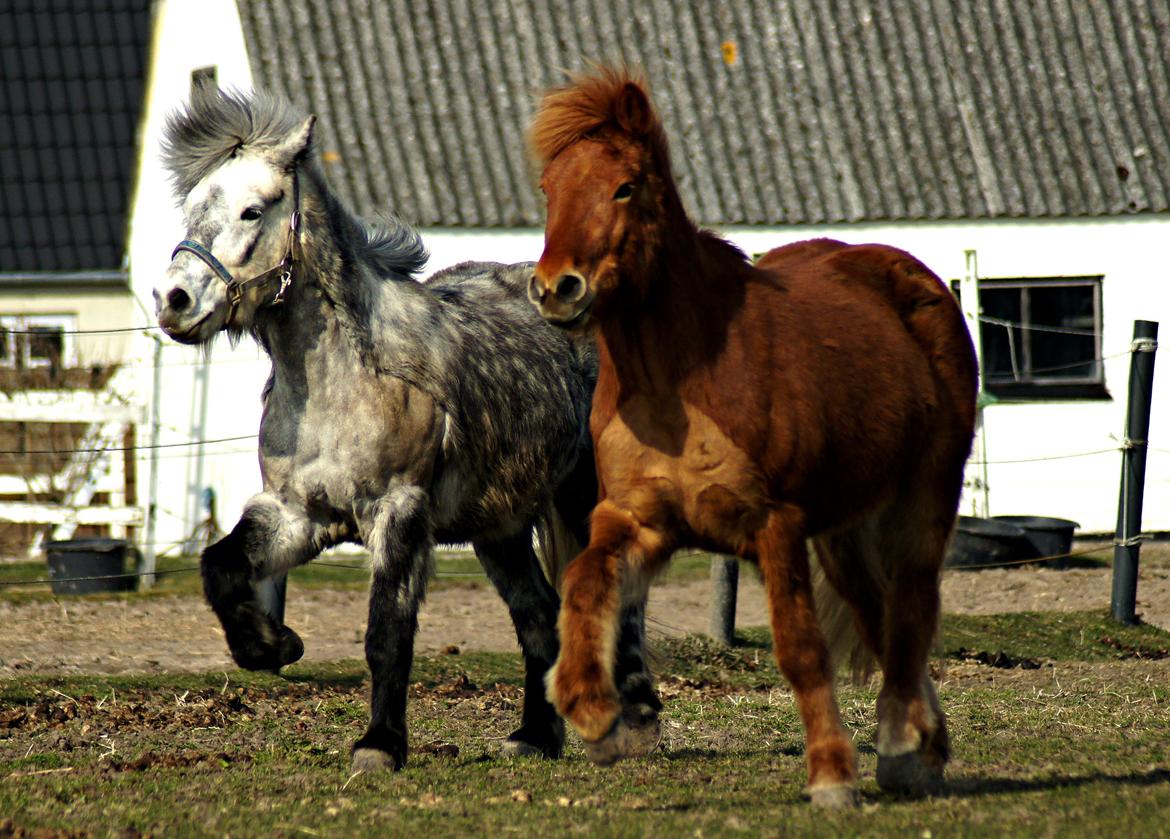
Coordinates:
(398,414)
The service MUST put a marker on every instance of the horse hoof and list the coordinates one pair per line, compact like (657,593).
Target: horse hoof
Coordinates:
(373,760)
(257,652)
(835,797)
(291,646)
(908,774)
(624,740)
(518,748)
(536,740)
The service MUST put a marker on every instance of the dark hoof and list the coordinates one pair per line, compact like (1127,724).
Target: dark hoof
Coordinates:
(378,750)
(260,653)
(636,733)
(374,760)
(523,742)
(909,775)
(638,696)
(835,797)
(518,748)
(291,646)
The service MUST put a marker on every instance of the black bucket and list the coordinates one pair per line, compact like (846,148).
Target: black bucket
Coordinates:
(97,561)
(1048,536)
(979,542)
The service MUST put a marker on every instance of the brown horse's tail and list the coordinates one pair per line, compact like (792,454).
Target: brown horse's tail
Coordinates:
(839,626)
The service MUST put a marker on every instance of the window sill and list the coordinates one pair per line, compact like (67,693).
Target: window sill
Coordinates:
(1028,392)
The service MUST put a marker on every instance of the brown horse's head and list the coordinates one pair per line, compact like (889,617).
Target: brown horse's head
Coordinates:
(606,174)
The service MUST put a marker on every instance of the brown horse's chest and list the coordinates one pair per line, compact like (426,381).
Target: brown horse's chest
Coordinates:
(675,466)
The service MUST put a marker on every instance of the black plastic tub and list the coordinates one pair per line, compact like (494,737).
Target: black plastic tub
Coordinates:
(1048,536)
(986,543)
(87,566)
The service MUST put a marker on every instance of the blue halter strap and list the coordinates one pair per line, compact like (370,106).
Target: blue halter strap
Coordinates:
(191,246)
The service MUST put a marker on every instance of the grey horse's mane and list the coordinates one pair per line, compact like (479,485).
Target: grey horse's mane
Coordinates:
(394,248)
(201,137)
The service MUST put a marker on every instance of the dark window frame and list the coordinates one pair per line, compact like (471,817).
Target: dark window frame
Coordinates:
(1030,381)
(20,333)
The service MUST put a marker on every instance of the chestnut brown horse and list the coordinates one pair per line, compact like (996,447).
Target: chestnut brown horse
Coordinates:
(827,393)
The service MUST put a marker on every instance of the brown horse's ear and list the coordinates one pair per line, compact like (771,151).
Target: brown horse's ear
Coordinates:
(293,148)
(632,110)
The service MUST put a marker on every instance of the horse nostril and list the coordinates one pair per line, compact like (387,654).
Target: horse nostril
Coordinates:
(535,292)
(570,287)
(178,299)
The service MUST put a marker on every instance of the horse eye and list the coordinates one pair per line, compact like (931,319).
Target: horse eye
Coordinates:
(624,192)
(250,214)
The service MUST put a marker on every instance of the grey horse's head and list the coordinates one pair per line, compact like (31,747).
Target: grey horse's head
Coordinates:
(233,159)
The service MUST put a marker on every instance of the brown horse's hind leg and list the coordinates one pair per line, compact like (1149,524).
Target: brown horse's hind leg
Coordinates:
(912,742)
(804,659)
(582,683)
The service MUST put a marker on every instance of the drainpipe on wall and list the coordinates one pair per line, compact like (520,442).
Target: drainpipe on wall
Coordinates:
(969,292)
(148,548)
(198,434)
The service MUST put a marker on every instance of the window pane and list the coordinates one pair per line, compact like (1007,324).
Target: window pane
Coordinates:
(1071,352)
(46,344)
(1000,338)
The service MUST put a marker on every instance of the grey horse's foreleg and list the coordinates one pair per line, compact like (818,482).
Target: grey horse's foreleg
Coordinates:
(640,703)
(268,538)
(399,542)
(514,570)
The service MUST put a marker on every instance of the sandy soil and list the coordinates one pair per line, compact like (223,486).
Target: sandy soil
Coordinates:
(180,633)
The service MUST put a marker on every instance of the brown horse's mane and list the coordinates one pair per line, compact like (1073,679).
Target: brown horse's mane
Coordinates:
(586,105)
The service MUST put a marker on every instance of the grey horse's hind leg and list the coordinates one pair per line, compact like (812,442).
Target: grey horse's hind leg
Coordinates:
(640,704)
(400,547)
(267,539)
(575,499)
(514,570)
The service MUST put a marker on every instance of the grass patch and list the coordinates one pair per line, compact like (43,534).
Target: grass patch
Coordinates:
(1003,641)
(1079,746)
(1052,636)
(209,755)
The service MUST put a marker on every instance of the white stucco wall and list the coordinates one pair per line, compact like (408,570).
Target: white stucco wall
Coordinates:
(90,310)
(190,34)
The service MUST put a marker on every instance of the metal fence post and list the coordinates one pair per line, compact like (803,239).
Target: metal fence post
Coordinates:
(724,591)
(1123,603)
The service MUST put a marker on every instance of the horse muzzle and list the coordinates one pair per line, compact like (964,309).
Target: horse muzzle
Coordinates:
(181,318)
(565,302)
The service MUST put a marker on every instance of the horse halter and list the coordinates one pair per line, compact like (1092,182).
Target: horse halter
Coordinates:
(283,269)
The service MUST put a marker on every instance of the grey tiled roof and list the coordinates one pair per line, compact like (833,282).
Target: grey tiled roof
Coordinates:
(71,91)
(787,111)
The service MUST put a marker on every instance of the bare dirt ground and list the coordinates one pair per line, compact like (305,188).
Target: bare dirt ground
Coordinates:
(149,635)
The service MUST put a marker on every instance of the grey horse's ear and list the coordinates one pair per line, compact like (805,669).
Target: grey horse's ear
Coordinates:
(294,147)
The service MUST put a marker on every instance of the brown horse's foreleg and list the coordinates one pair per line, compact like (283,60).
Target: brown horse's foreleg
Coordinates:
(804,660)
(582,682)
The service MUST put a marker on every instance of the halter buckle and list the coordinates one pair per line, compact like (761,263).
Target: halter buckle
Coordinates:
(285,282)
